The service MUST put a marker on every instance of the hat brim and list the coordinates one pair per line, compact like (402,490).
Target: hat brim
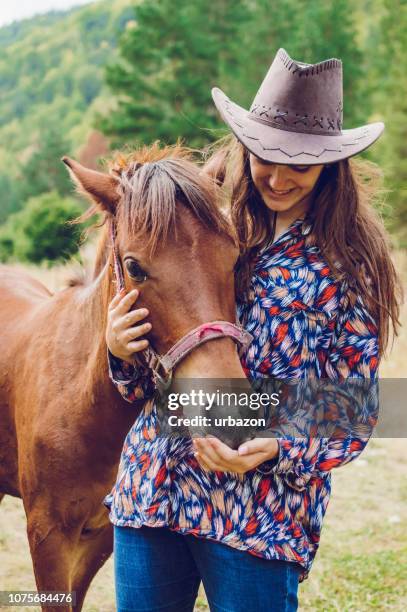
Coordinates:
(286,147)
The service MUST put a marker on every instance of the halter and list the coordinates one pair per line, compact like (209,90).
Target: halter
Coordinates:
(163,366)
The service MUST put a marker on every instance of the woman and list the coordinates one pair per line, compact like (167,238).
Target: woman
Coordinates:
(317,290)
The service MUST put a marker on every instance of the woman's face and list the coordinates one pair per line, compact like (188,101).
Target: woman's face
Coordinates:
(283,187)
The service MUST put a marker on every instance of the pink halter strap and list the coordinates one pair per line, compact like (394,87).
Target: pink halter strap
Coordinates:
(194,338)
(197,336)
(201,334)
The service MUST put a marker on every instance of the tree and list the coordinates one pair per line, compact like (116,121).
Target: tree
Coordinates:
(392,98)
(44,172)
(10,197)
(170,59)
(40,231)
(88,83)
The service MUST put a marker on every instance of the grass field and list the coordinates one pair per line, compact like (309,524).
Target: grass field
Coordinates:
(362,561)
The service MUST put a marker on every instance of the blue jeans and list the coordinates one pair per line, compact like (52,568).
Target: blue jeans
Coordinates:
(157,569)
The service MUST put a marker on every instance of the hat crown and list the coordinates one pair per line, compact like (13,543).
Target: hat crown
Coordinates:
(300,97)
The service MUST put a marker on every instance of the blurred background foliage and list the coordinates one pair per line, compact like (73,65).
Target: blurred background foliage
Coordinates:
(39,232)
(119,72)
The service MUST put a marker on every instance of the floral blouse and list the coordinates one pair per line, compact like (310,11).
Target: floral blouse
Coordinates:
(304,325)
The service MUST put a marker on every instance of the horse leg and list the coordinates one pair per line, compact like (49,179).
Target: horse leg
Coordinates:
(93,550)
(52,552)
(67,559)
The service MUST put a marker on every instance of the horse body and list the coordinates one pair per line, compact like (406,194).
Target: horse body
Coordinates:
(62,425)
(20,295)
(62,422)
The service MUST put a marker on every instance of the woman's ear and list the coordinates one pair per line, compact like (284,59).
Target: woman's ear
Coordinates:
(99,187)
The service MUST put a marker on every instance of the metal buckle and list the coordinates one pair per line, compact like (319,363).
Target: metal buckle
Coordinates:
(163,381)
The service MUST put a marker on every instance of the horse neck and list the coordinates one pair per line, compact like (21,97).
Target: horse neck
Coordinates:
(108,416)
(93,301)
(102,252)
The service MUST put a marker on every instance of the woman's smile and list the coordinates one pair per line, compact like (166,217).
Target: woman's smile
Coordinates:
(279,195)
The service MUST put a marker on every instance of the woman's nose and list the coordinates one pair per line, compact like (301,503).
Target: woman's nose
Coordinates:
(278,178)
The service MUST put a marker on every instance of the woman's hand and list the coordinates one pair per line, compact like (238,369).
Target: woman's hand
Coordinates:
(214,455)
(121,330)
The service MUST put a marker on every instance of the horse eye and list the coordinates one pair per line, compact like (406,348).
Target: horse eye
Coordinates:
(135,271)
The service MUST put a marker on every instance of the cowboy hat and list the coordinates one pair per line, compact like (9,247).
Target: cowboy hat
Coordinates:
(296,116)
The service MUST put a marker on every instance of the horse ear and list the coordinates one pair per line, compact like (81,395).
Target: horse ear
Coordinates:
(101,188)
(215,166)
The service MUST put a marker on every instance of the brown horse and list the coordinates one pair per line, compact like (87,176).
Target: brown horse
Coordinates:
(62,422)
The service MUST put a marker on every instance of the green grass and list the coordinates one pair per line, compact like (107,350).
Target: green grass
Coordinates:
(361,564)
(364,582)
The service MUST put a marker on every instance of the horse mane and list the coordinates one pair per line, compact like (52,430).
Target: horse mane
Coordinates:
(83,276)
(152,181)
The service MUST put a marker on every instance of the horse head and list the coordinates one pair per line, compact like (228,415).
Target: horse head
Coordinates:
(175,245)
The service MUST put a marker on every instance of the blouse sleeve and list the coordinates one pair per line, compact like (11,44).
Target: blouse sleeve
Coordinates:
(133,384)
(353,356)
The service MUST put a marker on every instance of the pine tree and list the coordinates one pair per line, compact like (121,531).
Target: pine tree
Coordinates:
(169,61)
(392,97)
(44,172)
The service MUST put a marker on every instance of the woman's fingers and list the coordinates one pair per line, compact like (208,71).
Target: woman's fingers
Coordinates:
(266,446)
(115,301)
(253,446)
(121,331)
(126,302)
(204,465)
(135,332)
(205,462)
(132,317)
(223,451)
(136,346)
(208,454)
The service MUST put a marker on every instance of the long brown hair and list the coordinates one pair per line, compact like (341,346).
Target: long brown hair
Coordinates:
(346,227)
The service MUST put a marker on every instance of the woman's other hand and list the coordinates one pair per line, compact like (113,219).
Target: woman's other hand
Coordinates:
(122,331)
(213,455)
